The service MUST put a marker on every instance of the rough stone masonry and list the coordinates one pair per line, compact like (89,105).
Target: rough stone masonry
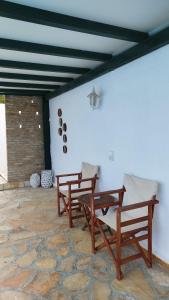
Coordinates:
(25,146)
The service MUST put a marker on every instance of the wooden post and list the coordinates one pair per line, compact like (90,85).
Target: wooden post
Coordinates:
(46,133)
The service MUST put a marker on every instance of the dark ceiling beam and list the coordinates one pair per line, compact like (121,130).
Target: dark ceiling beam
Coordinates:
(154,42)
(28,85)
(41,67)
(22,92)
(43,17)
(28,47)
(34,77)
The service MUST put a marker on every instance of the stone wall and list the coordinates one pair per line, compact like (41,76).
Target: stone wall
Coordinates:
(25,146)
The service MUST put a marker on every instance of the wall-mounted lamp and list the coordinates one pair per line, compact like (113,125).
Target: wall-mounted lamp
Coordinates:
(94,99)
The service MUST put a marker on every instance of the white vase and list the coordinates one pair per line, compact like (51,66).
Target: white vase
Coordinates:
(46,179)
(35,180)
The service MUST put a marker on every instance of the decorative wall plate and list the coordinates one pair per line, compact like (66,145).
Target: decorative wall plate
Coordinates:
(60,122)
(64,149)
(65,138)
(60,131)
(59,112)
(64,127)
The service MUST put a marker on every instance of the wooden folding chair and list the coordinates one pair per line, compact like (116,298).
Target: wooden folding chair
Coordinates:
(85,184)
(96,204)
(131,223)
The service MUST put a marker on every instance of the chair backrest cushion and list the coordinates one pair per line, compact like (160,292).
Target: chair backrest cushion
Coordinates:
(138,190)
(88,171)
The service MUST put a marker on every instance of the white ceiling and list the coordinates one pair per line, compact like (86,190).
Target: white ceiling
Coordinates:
(32,81)
(20,30)
(34,72)
(143,15)
(46,59)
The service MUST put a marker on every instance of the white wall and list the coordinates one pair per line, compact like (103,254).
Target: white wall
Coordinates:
(3,150)
(133,122)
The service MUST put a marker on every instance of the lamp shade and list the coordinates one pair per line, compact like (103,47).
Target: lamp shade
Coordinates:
(94,99)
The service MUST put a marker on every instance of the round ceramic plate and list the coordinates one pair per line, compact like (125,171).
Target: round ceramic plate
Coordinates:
(60,122)
(60,131)
(64,127)
(64,149)
(59,112)
(65,138)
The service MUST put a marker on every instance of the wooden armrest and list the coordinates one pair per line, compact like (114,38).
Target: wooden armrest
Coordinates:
(63,184)
(71,182)
(111,192)
(137,205)
(70,174)
(78,181)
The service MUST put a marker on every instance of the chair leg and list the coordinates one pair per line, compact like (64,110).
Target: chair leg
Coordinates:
(86,214)
(70,214)
(146,259)
(150,216)
(150,249)
(92,232)
(91,225)
(79,207)
(58,204)
(119,273)
(65,209)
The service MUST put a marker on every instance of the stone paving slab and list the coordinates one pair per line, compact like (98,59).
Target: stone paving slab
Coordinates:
(42,259)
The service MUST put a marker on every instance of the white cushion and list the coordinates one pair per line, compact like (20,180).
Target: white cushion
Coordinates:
(110,220)
(138,190)
(88,171)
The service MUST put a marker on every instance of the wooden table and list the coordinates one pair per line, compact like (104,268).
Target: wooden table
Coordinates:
(90,204)
(100,202)
(103,202)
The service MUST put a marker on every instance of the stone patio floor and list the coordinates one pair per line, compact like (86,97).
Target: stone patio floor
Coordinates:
(41,258)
